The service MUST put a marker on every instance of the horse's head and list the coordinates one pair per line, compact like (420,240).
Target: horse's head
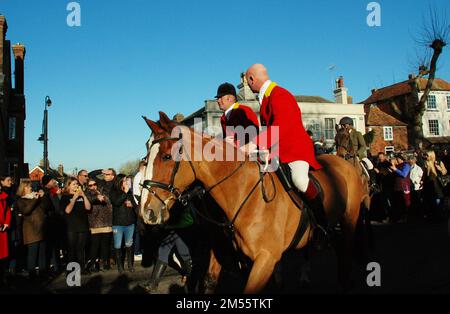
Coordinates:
(343,143)
(166,175)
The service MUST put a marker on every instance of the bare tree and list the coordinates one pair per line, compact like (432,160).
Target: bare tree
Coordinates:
(130,168)
(434,36)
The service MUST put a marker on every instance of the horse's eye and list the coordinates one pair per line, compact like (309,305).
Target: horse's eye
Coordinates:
(167,157)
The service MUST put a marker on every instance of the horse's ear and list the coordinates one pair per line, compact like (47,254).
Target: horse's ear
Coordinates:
(336,126)
(152,125)
(165,121)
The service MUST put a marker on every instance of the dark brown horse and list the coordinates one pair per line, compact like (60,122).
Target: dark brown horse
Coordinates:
(344,149)
(264,220)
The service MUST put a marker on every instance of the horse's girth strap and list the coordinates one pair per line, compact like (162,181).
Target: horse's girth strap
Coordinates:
(303,225)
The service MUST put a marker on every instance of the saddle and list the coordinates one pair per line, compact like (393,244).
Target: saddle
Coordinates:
(307,218)
(285,176)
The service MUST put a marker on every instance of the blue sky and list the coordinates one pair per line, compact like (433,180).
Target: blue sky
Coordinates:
(136,57)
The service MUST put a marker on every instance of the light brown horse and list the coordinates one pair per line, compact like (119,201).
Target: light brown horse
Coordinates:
(263,228)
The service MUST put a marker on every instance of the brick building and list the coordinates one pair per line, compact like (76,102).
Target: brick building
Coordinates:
(12,107)
(390,134)
(394,99)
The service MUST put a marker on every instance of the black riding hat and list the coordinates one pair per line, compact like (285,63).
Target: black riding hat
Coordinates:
(226,89)
(346,120)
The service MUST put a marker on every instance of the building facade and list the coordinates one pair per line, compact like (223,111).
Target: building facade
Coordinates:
(390,134)
(395,99)
(12,107)
(318,114)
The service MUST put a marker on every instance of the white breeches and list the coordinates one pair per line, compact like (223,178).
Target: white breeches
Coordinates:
(368,163)
(299,170)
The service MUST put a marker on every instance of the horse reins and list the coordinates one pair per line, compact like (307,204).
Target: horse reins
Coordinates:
(183,198)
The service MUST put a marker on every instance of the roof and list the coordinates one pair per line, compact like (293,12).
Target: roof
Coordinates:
(377,117)
(403,88)
(51,172)
(196,114)
(311,99)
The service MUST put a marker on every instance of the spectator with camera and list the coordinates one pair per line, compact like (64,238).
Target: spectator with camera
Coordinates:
(33,207)
(100,224)
(105,179)
(82,178)
(55,232)
(124,219)
(75,205)
(416,176)
(402,187)
(433,191)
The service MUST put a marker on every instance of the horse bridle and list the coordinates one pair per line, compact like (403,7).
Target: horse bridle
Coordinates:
(175,192)
(184,198)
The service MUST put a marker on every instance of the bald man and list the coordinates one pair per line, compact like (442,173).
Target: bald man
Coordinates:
(294,146)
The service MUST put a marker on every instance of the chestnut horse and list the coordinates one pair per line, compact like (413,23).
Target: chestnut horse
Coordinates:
(263,216)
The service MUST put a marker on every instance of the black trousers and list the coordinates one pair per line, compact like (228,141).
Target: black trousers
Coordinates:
(76,245)
(100,246)
(36,256)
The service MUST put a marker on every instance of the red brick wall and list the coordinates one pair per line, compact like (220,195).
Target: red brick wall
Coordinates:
(400,141)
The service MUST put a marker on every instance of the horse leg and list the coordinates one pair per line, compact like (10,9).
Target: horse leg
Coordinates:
(212,276)
(260,273)
(346,248)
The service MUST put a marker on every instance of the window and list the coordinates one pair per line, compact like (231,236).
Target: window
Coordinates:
(448,102)
(329,128)
(12,128)
(388,149)
(314,127)
(388,133)
(431,102)
(433,127)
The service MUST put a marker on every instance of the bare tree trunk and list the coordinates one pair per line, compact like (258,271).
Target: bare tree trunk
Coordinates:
(417,124)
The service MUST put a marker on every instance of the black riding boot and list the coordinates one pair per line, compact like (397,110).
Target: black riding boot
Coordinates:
(186,266)
(321,232)
(158,271)
(118,256)
(130,255)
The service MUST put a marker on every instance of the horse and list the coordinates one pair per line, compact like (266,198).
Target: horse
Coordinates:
(262,216)
(344,149)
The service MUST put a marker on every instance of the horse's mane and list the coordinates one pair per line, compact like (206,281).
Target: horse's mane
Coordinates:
(219,143)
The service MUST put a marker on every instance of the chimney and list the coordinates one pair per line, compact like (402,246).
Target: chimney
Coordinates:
(410,76)
(61,170)
(349,99)
(245,93)
(19,57)
(340,93)
(374,90)
(3,30)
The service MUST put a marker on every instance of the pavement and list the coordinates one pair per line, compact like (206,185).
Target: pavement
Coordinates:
(414,257)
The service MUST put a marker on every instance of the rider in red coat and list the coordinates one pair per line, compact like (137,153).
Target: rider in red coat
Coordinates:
(293,145)
(236,115)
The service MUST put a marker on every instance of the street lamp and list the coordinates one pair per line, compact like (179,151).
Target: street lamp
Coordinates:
(44,135)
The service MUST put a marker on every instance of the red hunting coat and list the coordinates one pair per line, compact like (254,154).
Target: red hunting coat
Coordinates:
(279,108)
(240,115)
(5,218)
